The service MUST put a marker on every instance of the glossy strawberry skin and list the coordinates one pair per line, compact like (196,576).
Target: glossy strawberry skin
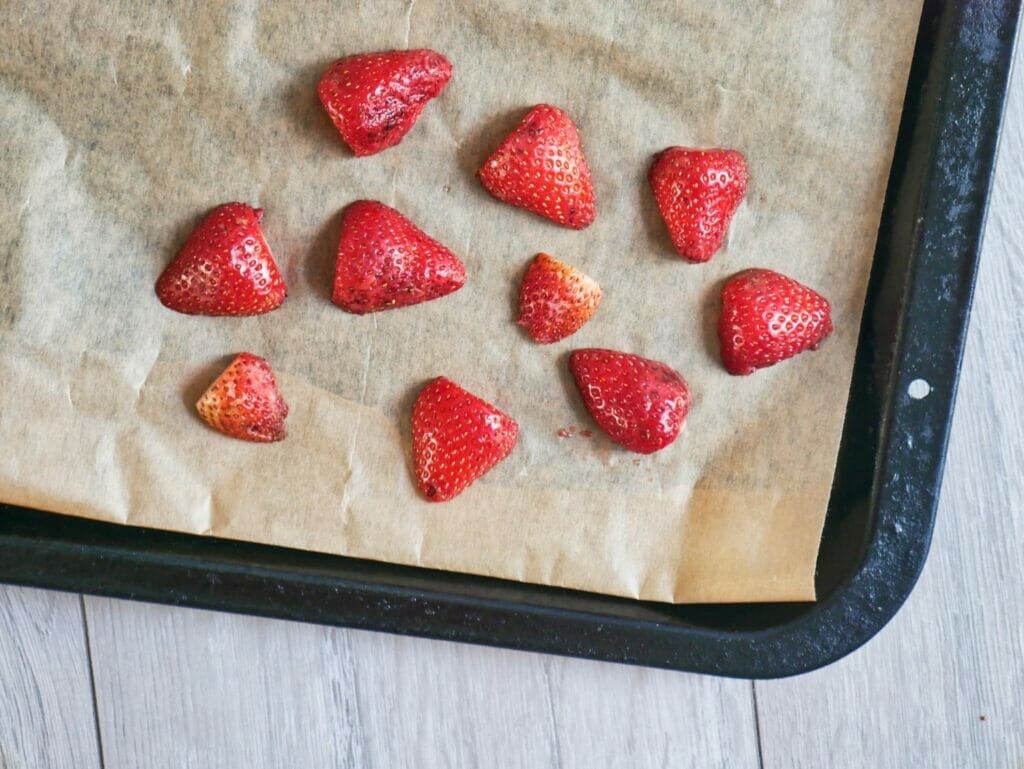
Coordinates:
(555,300)
(766,318)
(641,403)
(540,167)
(374,99)
(224,268)
(457,437)
(698,191)
(243,402)
(385,261)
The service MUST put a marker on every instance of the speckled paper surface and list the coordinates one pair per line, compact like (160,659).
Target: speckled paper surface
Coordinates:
(123,123)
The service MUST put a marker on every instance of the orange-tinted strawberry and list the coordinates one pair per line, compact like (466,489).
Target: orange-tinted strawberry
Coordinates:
(766,318)
(640,403)
(374,99)
(386,261)
(698,191)
(244,402)
(540,167)
(224,268)
(456,438)
(555,299)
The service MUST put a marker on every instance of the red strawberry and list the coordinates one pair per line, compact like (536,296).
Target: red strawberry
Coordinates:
(224,268)
(244,403)
(540,167)
(767,317)
(386,261)
(375,98)
(698,191)
(555,299)
(456,438)
(640,403)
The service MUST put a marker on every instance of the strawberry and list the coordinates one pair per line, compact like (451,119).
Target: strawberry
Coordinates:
(386,261)
(698,191)
(456,438)
(540,167)
(640,403)
(555,299)
(244,403)
(374,99)
(767,317)
(224,268)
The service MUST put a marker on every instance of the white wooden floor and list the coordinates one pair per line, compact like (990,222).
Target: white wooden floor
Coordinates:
(89,682)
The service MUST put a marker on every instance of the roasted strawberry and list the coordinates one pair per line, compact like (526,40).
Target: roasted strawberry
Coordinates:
(224,268)
(386,261)
(456,438)
(698,191)
(555,299)
(640,403)
(244,402)
(766,318)
(540,167)
(375,98)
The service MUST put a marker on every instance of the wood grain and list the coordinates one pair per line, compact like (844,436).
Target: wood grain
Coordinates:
(181,688)
(47,720)
(943,684)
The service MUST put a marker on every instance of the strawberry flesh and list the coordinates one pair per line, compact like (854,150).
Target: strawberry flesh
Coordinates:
(540,167)
(766,318)
(243,402)
(386,261)
(698,191)
(374,99)
(555,299)
(640,403)
(224,268)
(457,437)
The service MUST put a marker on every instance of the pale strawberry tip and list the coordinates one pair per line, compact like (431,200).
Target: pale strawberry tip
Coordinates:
(244,403)
(555,299)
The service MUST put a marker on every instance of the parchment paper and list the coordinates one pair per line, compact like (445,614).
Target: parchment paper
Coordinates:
(123,123)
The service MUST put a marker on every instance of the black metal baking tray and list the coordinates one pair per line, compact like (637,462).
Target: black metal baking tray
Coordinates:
(884,494)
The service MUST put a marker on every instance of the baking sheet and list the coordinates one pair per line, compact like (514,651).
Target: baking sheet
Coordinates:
(124,125)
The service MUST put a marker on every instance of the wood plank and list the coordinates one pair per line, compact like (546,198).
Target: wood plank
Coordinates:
(943,684)
(179,687)
(47,720)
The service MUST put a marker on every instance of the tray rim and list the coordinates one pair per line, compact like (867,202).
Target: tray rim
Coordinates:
(955,127)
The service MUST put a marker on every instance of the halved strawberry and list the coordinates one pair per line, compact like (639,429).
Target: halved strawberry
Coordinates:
(456,438)
(766,318)
(540,167)
(555,299)
(386,261)
(698,191)
(224,268)
(243,402)
(640,403)
(375,98)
